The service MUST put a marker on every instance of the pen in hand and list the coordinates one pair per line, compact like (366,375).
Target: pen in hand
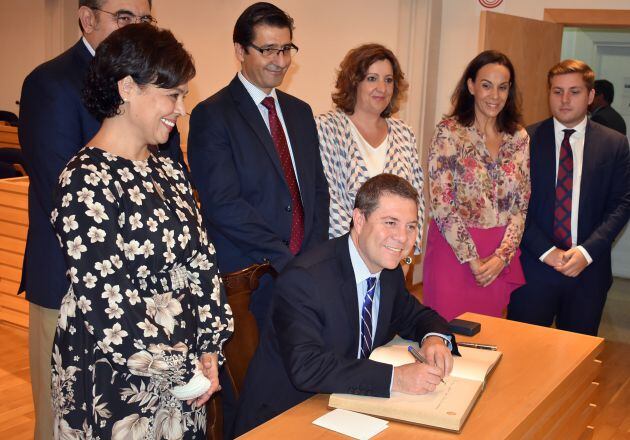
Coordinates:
(419,358)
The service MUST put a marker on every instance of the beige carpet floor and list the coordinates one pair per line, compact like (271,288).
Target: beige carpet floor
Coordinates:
(615,325)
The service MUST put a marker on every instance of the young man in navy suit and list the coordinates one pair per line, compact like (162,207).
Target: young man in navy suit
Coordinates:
(254,157)
(334,304)
(54,126)
(580,201)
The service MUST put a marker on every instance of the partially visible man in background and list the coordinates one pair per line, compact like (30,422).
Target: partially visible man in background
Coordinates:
(601,107)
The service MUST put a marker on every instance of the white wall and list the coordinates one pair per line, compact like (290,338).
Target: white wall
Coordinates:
(32,31)
(20,50)
(607,51)
(325,31)
(460,33)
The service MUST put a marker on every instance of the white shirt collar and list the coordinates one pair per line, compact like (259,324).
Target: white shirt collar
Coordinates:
(87,45)
(361,271)
(580,128)
(256,94)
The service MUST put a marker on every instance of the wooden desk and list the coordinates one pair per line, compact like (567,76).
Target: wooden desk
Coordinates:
(543,387)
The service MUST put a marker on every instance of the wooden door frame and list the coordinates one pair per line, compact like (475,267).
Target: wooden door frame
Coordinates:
(610,18)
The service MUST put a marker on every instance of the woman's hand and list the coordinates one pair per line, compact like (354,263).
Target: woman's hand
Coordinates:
(210,368)
(475,266)
(489,270)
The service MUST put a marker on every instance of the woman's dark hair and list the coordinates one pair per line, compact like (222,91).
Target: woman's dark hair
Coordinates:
(353,69)
(259,13)
(146,53)
(509,119)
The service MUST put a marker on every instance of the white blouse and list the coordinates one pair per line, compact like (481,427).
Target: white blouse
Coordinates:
(374,157)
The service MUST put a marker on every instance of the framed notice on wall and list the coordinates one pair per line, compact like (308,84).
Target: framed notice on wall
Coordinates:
(624,104)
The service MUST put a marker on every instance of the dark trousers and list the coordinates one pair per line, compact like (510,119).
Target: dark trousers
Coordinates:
(229,402)
(576,304)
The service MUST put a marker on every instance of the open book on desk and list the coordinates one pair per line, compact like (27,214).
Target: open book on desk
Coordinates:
(447,407)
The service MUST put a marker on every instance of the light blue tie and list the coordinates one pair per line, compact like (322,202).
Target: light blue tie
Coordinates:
(366,319)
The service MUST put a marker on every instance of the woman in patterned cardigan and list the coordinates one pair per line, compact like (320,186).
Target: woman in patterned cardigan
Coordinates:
(360,139)
(479,187)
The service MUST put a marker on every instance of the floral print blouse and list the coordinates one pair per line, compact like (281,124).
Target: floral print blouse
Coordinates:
(470,189)
(145,299)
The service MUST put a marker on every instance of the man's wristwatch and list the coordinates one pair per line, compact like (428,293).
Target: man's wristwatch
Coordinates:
(407,260)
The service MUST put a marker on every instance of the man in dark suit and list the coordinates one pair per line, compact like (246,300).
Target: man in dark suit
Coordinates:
(333,304)
(254,157)
(601,107)
(580,200)
(54,125)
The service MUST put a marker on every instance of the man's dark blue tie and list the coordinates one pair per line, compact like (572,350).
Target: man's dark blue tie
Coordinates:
(366,319)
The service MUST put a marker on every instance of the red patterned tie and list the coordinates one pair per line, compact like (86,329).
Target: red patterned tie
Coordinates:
(280,141)
(564,191)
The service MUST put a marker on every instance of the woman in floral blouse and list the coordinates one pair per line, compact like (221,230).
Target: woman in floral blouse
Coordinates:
(360,139)
(479,188)
(140,331)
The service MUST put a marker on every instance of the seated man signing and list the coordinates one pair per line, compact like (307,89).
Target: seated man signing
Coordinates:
(334,304)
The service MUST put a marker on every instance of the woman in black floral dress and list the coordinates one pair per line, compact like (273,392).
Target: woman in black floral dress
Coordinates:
(140,331)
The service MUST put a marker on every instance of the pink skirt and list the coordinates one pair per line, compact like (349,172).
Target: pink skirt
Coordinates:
(450,288)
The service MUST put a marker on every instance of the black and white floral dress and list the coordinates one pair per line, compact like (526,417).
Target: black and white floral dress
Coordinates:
(145,299)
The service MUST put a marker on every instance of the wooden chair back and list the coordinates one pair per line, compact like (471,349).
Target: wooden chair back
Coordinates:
(241,347)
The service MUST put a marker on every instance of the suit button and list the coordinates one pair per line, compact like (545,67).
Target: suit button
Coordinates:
(286,242)
(288,208)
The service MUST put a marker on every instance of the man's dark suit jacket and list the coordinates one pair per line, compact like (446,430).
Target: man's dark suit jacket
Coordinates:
(244,196)
(610,118)
(312,343)
(54,125)
(604,199)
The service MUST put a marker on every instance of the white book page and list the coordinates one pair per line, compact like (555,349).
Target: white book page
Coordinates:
(474,363)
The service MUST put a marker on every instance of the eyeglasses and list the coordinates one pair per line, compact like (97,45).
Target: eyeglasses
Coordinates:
(125,18)
(288,50)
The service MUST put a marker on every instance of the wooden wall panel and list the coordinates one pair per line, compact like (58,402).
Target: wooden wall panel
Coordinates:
(11,259)
(13,229)
(609,18)
(19,216)
(9,287)
(533,46)
(14,302)
(13,200)
(10,273)
(11,244)
(9,136)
